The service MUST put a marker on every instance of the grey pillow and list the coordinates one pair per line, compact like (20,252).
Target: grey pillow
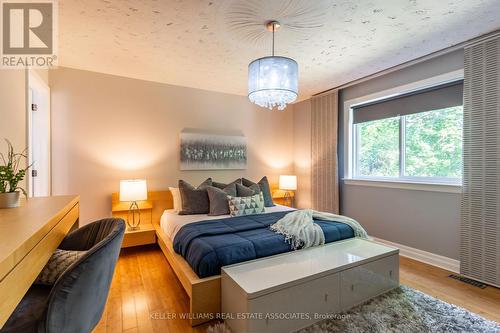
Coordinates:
(57,264)
(264,186)
(239,206)
(244,191)
(224,185)
(219,199)
(194,200)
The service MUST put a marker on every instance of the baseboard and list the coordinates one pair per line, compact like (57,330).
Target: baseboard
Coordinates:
(424,256)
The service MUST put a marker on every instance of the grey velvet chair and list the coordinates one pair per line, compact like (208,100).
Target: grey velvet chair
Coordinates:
(75,303)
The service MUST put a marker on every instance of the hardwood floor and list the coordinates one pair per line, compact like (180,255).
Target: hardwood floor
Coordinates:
(434,281)
(146,296)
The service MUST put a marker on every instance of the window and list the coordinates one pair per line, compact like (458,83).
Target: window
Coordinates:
(415,137)
(433,143)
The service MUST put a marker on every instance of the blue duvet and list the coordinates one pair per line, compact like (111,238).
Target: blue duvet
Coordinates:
(209,245)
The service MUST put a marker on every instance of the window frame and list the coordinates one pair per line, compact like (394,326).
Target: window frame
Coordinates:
(351,138)
(402,161)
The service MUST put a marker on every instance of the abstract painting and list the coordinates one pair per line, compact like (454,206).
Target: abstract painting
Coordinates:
(208,150)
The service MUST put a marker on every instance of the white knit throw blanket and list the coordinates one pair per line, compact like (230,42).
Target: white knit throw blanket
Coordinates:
(299,228)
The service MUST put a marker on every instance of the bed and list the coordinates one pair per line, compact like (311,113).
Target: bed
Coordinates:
(208,243)
(171,222)
(251,237)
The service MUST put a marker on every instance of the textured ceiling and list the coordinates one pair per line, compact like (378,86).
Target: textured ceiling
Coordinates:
(208,44)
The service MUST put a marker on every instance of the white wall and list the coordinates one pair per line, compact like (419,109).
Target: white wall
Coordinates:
(106,128)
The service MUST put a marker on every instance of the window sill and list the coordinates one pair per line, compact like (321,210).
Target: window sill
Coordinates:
(405,185)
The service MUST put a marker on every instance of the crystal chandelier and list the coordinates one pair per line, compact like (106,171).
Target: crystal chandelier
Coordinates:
(273,81)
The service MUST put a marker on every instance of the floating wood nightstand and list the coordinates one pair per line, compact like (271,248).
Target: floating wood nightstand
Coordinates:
(280,198)
(145,234)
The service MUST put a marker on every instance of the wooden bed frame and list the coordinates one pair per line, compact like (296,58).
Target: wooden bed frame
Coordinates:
(204,294)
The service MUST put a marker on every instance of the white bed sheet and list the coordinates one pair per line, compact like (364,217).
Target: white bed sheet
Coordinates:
(171,222)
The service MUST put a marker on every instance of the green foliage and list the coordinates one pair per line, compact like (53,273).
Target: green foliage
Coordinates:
(433,145)
(379,148)
(10,173)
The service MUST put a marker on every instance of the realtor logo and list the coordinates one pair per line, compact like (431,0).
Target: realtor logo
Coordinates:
(28,34)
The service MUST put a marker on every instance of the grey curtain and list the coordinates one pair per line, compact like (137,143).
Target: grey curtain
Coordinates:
(324,172)
(480,226)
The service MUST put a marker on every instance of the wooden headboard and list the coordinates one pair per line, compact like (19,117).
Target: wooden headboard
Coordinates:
(157,200)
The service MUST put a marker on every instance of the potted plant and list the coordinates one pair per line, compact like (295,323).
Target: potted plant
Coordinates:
(10,175)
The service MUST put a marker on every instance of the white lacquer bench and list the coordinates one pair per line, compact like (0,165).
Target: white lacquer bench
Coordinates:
(286,292)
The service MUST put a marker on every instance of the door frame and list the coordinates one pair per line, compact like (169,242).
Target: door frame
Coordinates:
(36,83)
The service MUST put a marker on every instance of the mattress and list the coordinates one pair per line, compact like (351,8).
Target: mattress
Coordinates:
(171,222)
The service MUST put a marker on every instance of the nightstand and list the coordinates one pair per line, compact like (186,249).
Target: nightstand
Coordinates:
(146,234)
(279,197)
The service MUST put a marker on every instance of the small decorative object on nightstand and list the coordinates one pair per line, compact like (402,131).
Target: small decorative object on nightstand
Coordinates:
(288,183)
(145,234)
(132,191)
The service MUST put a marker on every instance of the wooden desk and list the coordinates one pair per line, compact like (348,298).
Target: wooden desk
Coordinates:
(28,237)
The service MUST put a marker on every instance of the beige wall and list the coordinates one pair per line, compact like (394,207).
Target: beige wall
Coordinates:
(13,113)
(42,73)
(13,109)
(427,221)
(106,128)
(302,152)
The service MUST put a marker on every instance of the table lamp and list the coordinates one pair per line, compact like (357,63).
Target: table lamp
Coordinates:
(133,190)
(288,183)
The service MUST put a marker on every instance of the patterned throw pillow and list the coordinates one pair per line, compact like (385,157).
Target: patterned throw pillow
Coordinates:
(57,264)
(239,206)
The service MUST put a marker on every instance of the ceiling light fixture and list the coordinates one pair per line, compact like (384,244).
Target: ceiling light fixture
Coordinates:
(273,80)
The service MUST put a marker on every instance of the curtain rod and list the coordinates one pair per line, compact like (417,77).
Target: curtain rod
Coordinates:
(475,40)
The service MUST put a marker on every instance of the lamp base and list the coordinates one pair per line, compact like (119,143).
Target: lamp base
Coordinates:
(133,224)
(288,198)
(130,228)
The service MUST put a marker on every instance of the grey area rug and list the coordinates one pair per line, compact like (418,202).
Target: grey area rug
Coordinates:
(400,310)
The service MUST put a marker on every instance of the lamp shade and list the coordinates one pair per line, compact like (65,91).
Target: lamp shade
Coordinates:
(133,190)
(288,183)
(273,81)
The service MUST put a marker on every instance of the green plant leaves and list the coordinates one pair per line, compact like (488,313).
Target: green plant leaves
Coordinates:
(10,173)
